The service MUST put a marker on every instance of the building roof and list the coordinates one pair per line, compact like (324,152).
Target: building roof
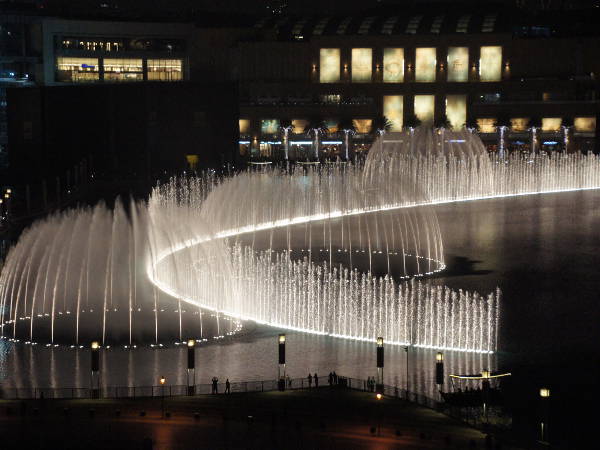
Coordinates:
(433,22)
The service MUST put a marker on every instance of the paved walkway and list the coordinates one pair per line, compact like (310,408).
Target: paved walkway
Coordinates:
(331,418)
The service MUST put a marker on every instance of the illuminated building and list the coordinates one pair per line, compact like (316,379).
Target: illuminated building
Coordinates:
(472,65)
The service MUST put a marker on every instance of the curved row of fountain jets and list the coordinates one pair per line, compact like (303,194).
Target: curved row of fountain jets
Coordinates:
(325,250)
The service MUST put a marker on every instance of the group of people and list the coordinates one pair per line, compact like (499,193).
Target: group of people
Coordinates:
(215,386)
(311,378)
(333,378)
(370,384)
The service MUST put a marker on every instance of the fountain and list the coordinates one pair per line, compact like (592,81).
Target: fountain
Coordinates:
(342,250)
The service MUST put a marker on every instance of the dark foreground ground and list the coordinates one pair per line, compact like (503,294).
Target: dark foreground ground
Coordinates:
(321,418)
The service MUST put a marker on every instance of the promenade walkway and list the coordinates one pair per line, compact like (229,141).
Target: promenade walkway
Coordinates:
(327,417)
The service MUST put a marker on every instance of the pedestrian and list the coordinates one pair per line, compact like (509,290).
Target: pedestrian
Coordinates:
(289,381)
(215,387)
(227,386)
(309,380)
(335,378)
(330,378)
(316,380)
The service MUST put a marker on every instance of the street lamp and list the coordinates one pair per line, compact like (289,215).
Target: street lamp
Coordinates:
(485,388)
(439,370)
(191,366)
(544,419)
(95,366)
(162,397)
(379,384)
(281,367)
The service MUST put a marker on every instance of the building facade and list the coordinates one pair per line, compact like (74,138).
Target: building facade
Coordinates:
(476,67)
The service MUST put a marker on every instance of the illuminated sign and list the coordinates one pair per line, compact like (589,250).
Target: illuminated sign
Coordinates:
(329,65)
(425,108)
(456,110)
(458,64)
(393,110)
(490,63)
(425,64)
(393,65)
(362,63)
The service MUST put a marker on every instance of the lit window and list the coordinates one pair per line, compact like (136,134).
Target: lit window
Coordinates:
(456,110)
(269,126)
(329,65)
(425,108)
(425,64)
(393,110)
(244,126)
(487,125)
(393,65)
(332,125)
(77,70)
(299,126)
(490,63)
(123,69)
(551,123)
(363,126)
(165,70)
(458,64)
(519,124)
(585,124)
(362,61)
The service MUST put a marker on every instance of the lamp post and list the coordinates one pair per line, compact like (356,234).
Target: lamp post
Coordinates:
(544,413)
(281,367)
(406,351)
(191,366)
(439,371)
(485,388)
(162,397)
(95,368)
(379,383)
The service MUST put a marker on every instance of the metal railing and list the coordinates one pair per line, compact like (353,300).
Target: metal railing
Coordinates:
(472,416)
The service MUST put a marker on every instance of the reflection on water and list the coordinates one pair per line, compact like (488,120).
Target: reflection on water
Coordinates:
(251,358)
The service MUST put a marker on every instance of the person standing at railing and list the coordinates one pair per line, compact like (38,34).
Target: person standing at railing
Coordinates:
(309,380)
(330,378)
(227,386)
(215,386)
(335,378)
(316,380)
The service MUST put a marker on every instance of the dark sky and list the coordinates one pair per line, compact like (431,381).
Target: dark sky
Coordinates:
(337,7)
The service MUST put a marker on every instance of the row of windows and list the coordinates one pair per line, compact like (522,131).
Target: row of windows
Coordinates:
(425,68)
(454,108)
(75,70)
